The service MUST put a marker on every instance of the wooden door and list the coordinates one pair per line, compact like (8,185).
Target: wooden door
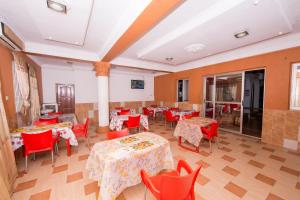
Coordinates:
(65,98)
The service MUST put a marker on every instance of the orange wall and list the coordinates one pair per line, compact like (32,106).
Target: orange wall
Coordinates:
(277,78)
(6,78)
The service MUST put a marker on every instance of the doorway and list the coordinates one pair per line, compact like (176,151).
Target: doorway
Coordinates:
(253,102)
(182,90)
(236,101)
(65,98)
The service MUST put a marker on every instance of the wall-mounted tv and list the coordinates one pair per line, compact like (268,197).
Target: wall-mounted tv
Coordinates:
(137,84)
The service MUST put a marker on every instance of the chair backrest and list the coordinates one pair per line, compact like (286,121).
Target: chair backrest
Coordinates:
(145,111)
(174,187)
(125,110)
(53,120)
(133,121)
(168,115)
(196,113)
(37,141)
(184,186)
(117,134)
(212,130)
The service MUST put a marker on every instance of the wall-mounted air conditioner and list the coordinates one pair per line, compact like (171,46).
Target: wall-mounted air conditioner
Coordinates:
(9,38)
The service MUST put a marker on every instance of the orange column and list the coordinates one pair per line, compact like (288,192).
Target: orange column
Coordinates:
(102,72)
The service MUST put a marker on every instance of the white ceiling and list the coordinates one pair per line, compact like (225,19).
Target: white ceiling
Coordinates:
(91,28)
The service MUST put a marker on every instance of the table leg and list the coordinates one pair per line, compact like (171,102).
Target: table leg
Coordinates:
(68,147)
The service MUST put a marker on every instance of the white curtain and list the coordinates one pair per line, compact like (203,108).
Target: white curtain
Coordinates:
(34,95)
(23,82)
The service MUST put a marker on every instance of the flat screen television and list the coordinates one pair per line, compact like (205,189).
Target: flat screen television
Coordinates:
(137,84)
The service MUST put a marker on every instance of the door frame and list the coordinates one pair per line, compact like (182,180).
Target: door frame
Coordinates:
(242,96)
(56,92)
(183,79)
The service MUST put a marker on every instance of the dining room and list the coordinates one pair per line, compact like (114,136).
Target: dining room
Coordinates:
(166,100)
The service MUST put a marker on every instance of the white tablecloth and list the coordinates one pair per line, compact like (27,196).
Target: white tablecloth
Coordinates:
(64,129)
(116,164)
(182,113)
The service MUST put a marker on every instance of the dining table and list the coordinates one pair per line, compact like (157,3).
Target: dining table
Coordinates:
(67,117)
(64,128)
(159,109)
(117,121)
(190,129)
(182,113)
(115,112)
(116,164)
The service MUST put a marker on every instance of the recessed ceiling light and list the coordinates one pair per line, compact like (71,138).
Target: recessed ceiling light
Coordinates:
(169,59)
(57,6)
(49,38)
(280,33)
(241,34)
(255,2)
(194,47)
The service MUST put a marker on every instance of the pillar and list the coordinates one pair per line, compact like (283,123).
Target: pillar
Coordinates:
(102,71)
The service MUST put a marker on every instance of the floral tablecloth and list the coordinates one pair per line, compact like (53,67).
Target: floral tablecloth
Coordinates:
(71,117)
(116,164)
(190,129)
(64,128)
(182,113)
(115,112)
(116,122)
(157,109)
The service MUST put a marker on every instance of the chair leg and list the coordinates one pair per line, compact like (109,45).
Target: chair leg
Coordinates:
(26,163)
(52,158)
(34,156)
(210,150)
(145,194)
(88,142)
(217,141)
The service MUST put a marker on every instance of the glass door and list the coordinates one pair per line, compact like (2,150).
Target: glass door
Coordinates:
(209,98)
(228,101)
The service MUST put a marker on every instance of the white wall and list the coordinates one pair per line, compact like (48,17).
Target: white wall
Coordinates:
(120,87)
(86,84)
(84,80)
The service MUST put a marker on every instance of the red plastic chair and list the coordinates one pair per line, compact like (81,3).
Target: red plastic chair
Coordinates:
(170,118)
(149,113)
(174,109)
(133,122)
(188,116)
(117,134)
(124,112)
(172,186)
(118,108)
(38,142)
(211,133)
(81,130)
(196,113)
(55,113)
(53,120)
(44,122)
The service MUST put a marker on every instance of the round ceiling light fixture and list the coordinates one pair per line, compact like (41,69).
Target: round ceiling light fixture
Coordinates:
(193,48)
(58,5)
(241,34)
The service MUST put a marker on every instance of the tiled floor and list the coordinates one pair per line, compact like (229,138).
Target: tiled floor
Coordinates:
(242,168)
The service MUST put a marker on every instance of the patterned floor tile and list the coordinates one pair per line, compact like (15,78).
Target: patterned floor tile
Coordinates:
(235,189)
(91,188)
(298,185)
(256,164)
(202,180)
(45,195)
(203,163)
(290,171)
(278,158)
(249,153)
(26,185)
(273,197)
(231,171)
(83,157)
(245,145)
(265,179)
(74,177)
(228,158)
(268,149)
(226,149)
(60,168)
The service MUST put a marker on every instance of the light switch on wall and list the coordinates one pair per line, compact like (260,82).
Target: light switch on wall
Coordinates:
(6,98)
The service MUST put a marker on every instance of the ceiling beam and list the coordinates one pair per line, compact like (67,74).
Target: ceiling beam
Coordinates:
(151,16)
